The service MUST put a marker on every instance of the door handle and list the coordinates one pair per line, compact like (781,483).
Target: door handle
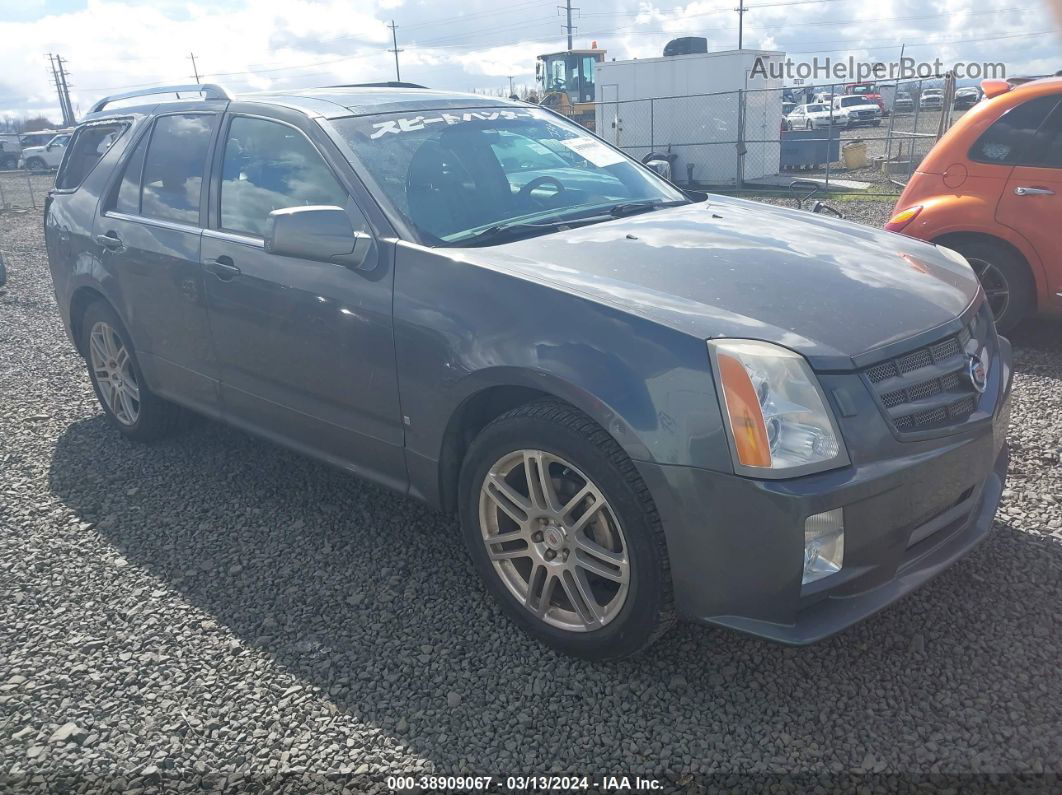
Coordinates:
(1023,191)
(224,268)
(110,241)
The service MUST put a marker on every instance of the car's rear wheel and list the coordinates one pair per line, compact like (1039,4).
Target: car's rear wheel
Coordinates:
(118,381)
(1004,277)
(564,533)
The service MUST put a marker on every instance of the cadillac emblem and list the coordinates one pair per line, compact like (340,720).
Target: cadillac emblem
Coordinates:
(977,370)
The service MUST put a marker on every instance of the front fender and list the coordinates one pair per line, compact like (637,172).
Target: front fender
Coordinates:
(971,214)
(461,328)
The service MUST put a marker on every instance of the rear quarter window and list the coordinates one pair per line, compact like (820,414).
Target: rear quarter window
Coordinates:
(90,143)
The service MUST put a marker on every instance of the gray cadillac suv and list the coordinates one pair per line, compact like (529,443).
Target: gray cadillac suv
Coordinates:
(641,405)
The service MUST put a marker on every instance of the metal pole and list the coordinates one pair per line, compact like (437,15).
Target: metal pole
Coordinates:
(68,114)
(29,187)
(739,177)
(568,27)
(914,133)
(829,136)
(394,41)
(652,117)
(741,22)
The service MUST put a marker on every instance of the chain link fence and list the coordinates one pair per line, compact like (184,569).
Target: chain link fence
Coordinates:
(24,191)
(751,139)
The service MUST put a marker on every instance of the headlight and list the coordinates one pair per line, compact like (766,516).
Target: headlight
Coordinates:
(777,418)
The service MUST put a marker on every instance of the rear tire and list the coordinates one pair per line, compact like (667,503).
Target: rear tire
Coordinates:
(1005,278)
(591,578)
(117,379)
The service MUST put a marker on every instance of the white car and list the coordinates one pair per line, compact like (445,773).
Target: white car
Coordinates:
(39,158)
(931,98)
(814,116)
(860,110)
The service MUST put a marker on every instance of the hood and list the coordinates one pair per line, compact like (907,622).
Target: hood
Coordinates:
(827,288)
(32,150)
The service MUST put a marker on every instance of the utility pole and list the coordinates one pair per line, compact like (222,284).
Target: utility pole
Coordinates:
(394,41)
(568,27)
(69,119)
(62,89)
(741,21)
(510,85)
(195,68)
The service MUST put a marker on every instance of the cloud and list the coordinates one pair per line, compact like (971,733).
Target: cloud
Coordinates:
(113,45)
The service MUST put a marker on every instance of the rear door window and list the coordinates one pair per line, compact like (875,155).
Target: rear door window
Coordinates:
(1013,139)
(270,166)
(174,167)
(88,147)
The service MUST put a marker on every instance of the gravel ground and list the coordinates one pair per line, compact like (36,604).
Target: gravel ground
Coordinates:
(213,612)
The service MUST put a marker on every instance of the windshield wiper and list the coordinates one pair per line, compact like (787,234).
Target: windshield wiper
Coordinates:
(513,229)
(631,208)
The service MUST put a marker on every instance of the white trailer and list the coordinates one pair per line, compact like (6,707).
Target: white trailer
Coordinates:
(692,104)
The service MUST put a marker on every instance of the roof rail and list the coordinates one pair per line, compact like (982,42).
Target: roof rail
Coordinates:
(208,90)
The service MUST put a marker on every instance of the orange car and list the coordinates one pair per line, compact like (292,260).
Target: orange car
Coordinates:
(991,189)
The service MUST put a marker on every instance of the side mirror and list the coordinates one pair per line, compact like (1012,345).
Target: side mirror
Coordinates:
(661,167)
(318,233)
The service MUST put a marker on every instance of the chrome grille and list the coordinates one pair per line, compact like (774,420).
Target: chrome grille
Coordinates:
(927,388)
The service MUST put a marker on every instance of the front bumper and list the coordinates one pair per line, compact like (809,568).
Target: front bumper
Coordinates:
(736,544)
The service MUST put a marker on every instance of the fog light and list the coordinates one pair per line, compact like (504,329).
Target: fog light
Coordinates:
(823,545)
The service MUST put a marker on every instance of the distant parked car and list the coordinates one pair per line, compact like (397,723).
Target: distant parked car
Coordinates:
(860,110)
(815,116)
(39,158)
(932,98)
(903,103)
(966,98)
(991,189)
(10,147)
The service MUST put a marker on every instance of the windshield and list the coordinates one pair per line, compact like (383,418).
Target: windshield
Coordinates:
(816,108)
(847,102)
(864,90)
(451,174)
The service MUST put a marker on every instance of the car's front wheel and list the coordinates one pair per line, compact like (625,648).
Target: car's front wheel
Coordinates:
(36,164)
(118,381)
(1005,279)
(565,534)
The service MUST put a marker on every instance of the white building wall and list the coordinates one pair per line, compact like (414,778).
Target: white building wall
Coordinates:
(695,109)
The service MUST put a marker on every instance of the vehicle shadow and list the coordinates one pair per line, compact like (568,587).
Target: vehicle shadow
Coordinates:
(371,598)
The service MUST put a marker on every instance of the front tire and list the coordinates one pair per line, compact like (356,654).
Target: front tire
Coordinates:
(36,164)
(118,381)
(565,534)
(1004,277)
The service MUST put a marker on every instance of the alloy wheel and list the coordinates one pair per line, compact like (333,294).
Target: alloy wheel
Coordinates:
(554,540)
(995,285)
(113,370)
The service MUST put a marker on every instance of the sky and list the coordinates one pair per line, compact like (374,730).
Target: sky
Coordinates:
(253,45)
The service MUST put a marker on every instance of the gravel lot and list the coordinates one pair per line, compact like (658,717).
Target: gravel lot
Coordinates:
(213,612)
